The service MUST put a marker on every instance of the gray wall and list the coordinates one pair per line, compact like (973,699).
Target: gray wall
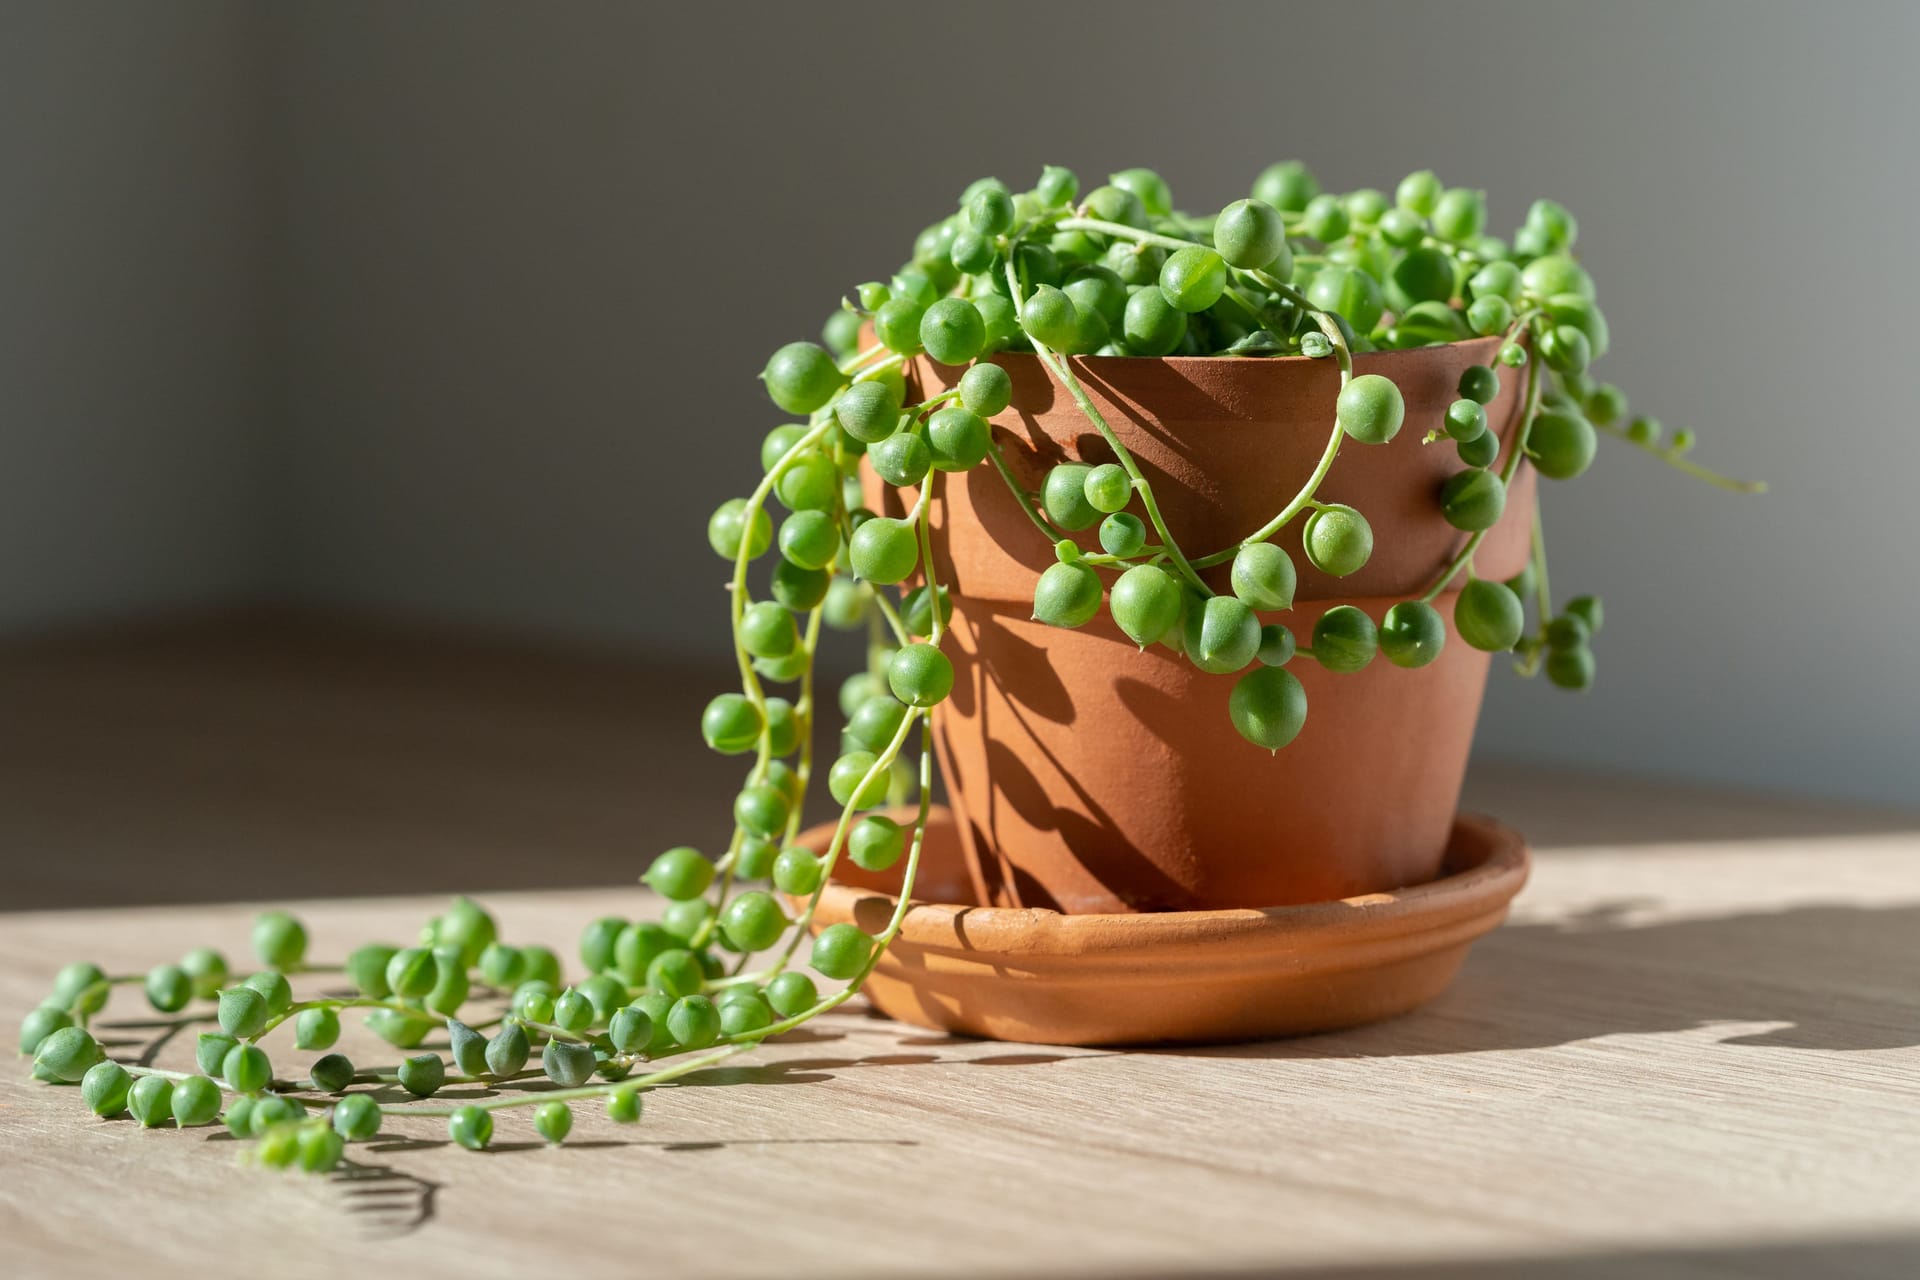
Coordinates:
(531,257)
(136,331)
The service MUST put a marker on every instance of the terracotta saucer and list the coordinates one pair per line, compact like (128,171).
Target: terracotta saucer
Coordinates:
(1172,977)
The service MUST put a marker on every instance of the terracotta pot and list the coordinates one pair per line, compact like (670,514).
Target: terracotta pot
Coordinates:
(1043,977)
(1089,776)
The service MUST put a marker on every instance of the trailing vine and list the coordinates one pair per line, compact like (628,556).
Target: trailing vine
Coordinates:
(1288,272)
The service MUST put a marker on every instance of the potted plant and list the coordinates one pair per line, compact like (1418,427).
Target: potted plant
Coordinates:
(1184,543)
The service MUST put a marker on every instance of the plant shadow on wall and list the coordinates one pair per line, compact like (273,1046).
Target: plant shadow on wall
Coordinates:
(1538,985)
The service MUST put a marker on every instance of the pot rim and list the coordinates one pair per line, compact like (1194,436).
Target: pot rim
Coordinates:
(1215,361)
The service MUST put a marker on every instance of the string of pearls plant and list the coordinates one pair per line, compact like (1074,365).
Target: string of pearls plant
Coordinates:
(1290,271)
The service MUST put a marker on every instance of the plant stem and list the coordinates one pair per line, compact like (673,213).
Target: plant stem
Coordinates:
(1532,407)
(1680,462)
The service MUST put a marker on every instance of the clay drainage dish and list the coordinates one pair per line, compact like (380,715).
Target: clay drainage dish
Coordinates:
(1039,976)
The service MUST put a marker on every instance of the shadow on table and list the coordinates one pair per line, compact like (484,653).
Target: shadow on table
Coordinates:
(1839,978)
(1882,1257)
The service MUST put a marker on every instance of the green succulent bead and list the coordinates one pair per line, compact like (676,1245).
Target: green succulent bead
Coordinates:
(1067,595)
(572,1011)
(1146,603)
(1277,646)
(1370,409)
(508,1050)
(1344,639)
(367,969)
(1555,273)
(875,843)
(801,377)
(1350,293)
(679,873)
(1107,488)
(316,1029)
(1412,634)
(1419,192)
(730,531)
(246,1068)
(467,926)
(841,951)
(1288,186)
(422,1074)
(270,1111)
(239,1117)
(1338,540)
(320,1150)
(1222,635)
(598,939)
(953,331)
(1326,219)
(1488,316)
(467,1047)
(1481,450)
(413,973)
(1122,534)
(1250,235)
(1561,445)
(1588,610)
(630,1029)
(1063,496)
(1571,668)
(753,921)
(211,1049)
(884,551)
(623,1106)
(195,1102)
(207,969)
(1459,214)
(958,439)
(553,1121)
(797,872)
(242,1012)
(279,940)
(744,1015)
(356,1118)
(918,608)
(168,988)
(41,1023)
(1193,279)
(1479,384)
(566,1064)
(1051,318)
(80,987)
(401,1030)
(1473,500)
(151,1101)
(539,964)
(332,1073)
(470,1127)
(1488,615)
(1268,707)
(1150,325)
(1466,420)
(761,809)
(274,989)
(694,1022)
(1568,631)
(1565,349)
(792,994)
(674,973)
(104,1088)
(920,675)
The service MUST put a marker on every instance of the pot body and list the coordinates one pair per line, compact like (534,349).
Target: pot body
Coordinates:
(1089,776)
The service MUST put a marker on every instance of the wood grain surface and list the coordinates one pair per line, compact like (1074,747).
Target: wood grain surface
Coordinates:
(1695,1051)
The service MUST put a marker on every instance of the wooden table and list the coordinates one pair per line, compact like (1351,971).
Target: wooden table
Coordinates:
(1694,1052)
